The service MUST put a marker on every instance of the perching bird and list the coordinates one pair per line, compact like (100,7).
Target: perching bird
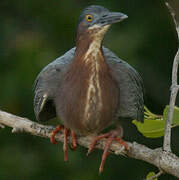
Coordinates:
(89,88)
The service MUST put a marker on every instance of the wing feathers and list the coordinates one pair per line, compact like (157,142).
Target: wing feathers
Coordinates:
(129,82)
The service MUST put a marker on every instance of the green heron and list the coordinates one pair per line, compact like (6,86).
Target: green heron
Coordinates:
(89,88)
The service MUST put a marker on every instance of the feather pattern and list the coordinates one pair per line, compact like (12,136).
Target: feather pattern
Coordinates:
(129,83)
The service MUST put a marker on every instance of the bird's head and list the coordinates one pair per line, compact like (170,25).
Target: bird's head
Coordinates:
(95,20)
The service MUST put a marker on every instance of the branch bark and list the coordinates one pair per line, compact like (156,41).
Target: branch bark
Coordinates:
(168,162)
(174,87)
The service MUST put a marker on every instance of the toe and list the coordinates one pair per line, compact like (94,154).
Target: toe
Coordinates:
(105,154)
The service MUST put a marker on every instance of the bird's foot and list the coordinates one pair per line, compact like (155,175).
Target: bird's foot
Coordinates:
(65,145)
(111,136)
(57,129)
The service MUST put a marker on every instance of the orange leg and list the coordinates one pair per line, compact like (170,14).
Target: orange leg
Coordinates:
(65,145)
(105,153)
(95,140)
(57,129)
(121,141)
(111,136)
(74,141)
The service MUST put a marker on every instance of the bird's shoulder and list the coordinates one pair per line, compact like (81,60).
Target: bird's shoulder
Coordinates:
(46,84)
(130,86)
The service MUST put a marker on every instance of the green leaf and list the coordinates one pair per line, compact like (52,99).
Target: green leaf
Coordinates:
(154,125)
(151,174)
(151,128)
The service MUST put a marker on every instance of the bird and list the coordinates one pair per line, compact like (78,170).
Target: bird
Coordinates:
(89,88)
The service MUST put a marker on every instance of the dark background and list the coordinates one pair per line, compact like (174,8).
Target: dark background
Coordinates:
(32,34)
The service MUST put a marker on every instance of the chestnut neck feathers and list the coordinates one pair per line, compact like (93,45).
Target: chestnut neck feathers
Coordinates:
(89,41)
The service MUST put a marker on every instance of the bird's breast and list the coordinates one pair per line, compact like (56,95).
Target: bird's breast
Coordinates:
(91,104)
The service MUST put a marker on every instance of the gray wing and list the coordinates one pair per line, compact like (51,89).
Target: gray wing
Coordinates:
(46,84)
(130,85)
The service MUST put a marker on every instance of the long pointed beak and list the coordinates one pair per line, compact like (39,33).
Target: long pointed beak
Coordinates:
(111,18)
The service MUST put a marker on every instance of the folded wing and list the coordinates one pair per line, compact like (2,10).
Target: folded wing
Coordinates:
(46,86)
(130,86)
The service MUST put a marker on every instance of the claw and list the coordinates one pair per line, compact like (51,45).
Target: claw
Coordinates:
(57,129)
(74,142)
(65,145)
(120,141)
(111,136)
(105,154)
(95,140)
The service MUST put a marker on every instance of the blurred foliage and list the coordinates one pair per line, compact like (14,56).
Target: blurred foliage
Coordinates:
(151,174)
(33,33)
(154,125)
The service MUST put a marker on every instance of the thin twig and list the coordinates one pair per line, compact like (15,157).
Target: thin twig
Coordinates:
(174,91)
(156,175)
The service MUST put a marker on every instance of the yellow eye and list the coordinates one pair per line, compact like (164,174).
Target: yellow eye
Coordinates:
(89,17)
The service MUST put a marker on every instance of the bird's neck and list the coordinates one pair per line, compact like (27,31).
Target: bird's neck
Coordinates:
(89,51)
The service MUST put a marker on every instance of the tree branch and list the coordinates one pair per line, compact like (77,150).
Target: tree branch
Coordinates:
(168,162)
(174,86)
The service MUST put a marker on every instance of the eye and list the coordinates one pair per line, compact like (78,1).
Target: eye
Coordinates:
(89,17)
